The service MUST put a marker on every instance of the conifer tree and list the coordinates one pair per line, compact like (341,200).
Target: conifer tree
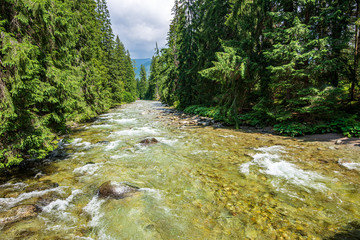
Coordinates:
(56,66)
(118,71)
(106,30)
(143,83)
(300,59)
(130,82)
(153,90)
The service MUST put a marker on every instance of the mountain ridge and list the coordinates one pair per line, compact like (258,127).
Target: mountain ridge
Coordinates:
(142,61)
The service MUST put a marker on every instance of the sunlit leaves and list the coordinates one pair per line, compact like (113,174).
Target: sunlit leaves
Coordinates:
(54,68)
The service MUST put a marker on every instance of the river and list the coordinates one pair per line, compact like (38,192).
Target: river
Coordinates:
(196,183)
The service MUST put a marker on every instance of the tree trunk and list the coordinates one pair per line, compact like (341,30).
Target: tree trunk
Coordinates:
(356,55)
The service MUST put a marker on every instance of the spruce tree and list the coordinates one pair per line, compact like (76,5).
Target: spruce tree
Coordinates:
(143,83)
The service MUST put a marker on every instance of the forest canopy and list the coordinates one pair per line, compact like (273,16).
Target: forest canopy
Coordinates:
(289,64)
(59,62)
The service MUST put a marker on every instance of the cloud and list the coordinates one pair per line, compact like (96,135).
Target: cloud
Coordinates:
(140,24)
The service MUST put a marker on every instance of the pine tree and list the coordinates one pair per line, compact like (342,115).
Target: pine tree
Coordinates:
(130,82)
(186,53)
(143,83)
(106,30)
(152,90)
(118,71)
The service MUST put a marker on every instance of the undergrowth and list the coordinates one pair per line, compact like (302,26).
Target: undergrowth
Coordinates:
(348,126)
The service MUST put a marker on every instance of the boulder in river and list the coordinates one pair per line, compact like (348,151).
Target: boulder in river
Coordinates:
(149,141)
(18,213)
(116,190)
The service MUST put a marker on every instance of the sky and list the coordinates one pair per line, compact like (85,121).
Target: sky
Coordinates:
(140,24)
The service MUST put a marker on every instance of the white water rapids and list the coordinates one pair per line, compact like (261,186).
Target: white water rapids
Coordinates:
(195,183)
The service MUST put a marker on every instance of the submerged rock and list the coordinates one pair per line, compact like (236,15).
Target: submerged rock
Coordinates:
(149,141)
(47,198)
(41,186)
(18,213)
(116,190)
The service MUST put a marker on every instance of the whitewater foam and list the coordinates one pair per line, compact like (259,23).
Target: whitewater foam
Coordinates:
(350,165)
(270,163)
(101,126)
(136,131)
(59,206)
(123,121)
(93,208)
(78,143)
(112,145)
(88,169)
(167,141)
(11,202)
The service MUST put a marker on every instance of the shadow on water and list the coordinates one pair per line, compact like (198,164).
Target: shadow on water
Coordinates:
(30,168)
(350,232)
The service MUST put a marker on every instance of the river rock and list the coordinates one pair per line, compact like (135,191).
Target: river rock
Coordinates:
(41,186)
(18,213)
(47,198)
(149,141)
(116,190)
(338,142)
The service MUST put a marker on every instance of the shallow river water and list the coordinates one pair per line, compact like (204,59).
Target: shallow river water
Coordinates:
(196,183)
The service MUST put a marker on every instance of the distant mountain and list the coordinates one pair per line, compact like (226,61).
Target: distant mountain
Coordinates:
(146,62)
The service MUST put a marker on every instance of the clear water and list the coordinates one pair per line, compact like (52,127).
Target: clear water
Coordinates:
(196,183)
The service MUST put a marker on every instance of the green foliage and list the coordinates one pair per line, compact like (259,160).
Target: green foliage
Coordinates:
(292,64)
(212,112)
(58,63)
(292,129)
(143,83)
(347,126)
(127,97)
(352,131)
(154,79)
(230,71)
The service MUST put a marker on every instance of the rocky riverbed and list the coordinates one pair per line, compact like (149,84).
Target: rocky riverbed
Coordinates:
(144,171)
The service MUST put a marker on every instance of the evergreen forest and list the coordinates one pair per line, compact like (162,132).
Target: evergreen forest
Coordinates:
(292,65)
(59,64)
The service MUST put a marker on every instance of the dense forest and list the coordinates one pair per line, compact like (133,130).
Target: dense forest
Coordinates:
(289,64)
(59,63)
(293,65)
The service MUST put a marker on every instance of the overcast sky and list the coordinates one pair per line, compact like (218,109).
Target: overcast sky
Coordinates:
(140,24)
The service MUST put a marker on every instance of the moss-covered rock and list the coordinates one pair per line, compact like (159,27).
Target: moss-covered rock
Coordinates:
(116,190)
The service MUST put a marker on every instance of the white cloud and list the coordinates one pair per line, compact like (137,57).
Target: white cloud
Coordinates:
(140,24)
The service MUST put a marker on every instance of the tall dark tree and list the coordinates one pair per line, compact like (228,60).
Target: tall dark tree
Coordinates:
(153,88)
(143,83)
(130,82)
(106,30)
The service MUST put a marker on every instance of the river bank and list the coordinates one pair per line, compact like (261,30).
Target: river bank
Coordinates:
(181,119)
